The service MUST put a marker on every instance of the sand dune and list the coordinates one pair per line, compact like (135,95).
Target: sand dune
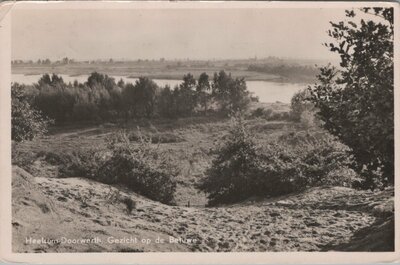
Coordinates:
(320,219)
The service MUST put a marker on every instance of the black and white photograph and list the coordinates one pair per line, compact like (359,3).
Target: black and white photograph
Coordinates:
(202,127)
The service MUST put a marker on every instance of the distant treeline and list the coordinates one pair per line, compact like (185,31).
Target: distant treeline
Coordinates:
(305,72)
(101,98)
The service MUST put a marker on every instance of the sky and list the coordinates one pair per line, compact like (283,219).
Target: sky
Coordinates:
(229,33)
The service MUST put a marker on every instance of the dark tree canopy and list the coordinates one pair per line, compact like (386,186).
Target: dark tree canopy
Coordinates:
(203,87)
(100,98)
(26,122)
(356,101)
(231,93)
(187,95)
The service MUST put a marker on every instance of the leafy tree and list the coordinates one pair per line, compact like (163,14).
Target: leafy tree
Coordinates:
(187,96)
(96,79)
(220,87)
(54,99)
(26,122)
(129,100)
(166,103)
(145,97)
(121,83)
(139,100)
(177,107)
(239,95)
(356,101)
(232,94)
(203,87)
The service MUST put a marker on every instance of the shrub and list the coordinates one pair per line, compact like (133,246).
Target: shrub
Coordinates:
(294,162)
(129,203)
(308,159)
(229,179)
(257,113)
(279,116)
(22,158)
(142,168)
(270,115)
(26,121)
(300,103)
(82,163)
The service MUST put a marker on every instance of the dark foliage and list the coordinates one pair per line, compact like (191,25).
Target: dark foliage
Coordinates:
(231,94)
(203,89)
(142,168)
(101,99)
(242,169)
(270,115)
(300,103)
(82,163)
(231,176)
(356,101)
(130,204)
(26,121)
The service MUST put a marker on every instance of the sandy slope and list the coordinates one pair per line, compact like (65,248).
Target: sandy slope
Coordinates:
(319,219)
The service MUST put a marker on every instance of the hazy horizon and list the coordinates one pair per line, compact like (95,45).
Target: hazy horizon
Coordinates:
(172,59)
(198,34)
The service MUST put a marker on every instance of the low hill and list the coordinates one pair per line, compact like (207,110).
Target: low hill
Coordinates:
(320,219)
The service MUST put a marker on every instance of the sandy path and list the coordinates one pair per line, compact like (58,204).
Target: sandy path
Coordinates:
(77,208)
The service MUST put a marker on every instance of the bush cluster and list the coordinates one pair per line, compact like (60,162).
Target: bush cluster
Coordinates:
(82,163)
(294,162)
(141,167)
(301,105)
(270,115)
